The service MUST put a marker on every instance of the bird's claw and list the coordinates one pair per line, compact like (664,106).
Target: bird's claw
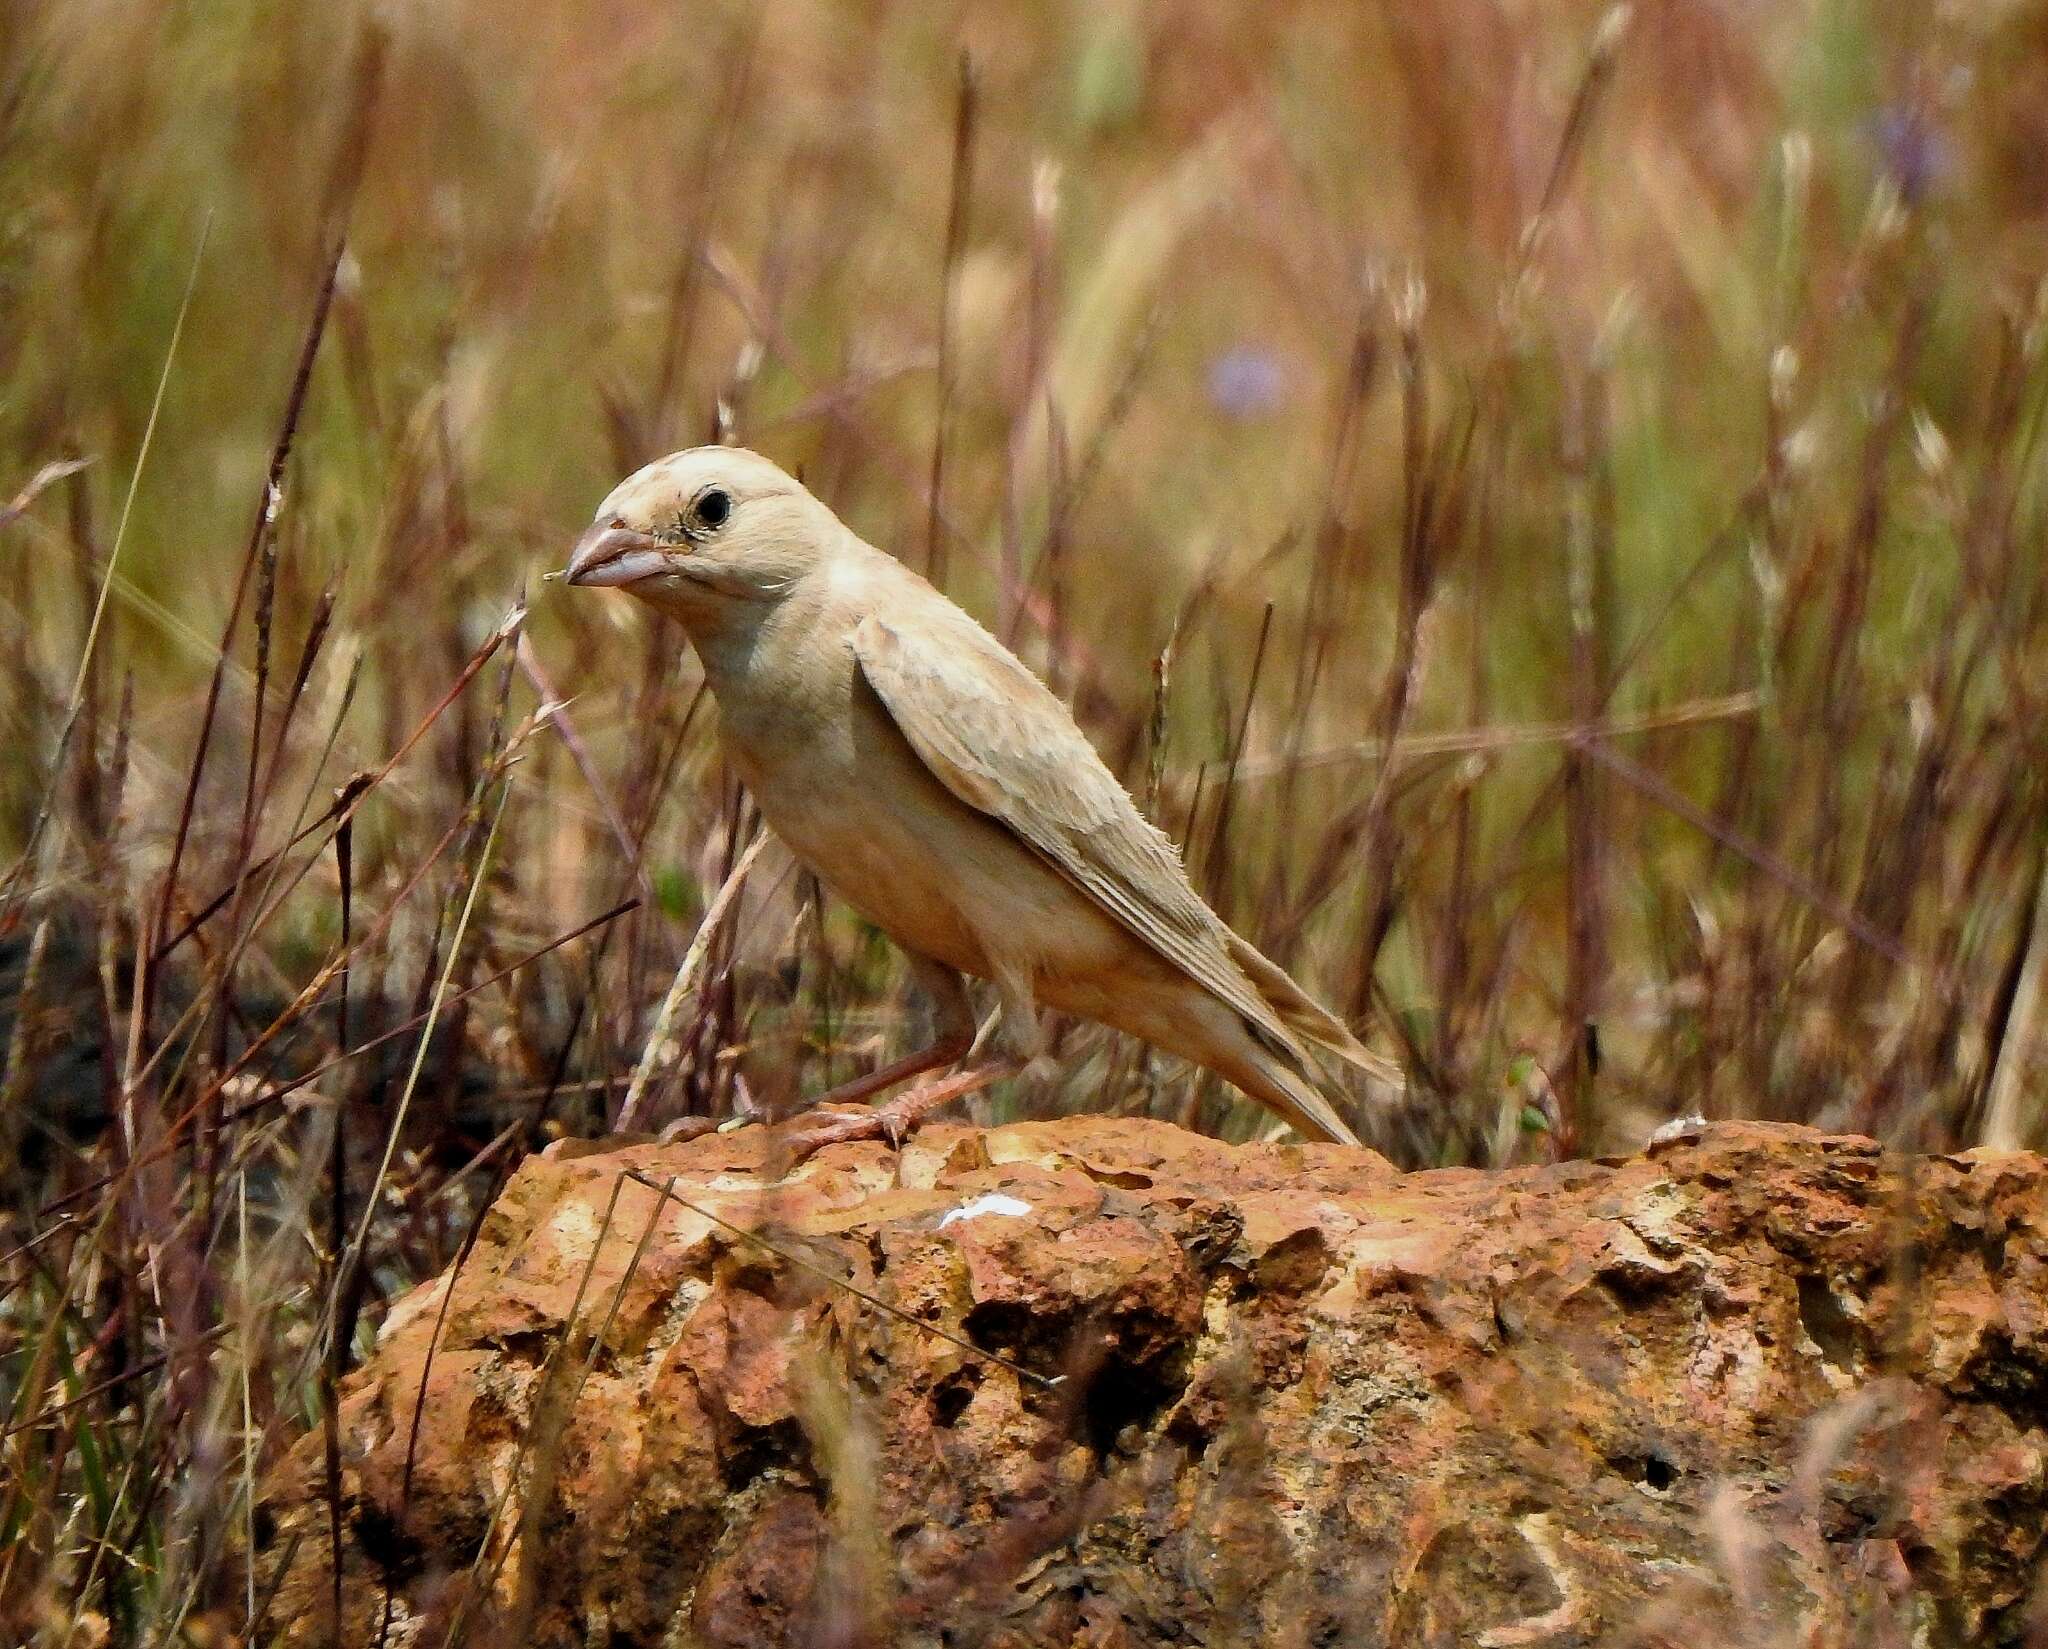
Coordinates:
(841,1128)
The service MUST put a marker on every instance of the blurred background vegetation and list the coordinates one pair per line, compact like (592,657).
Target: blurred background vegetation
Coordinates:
(1544,502)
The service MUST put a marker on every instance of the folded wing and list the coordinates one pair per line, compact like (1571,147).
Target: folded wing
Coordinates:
(998,739)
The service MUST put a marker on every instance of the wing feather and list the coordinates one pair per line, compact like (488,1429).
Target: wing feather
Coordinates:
(998,739)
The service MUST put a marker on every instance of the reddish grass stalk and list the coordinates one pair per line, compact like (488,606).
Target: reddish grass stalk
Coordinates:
(1589,556)
(1219,834)
(339,1292)
(351,796)
(958,197)
(267,506)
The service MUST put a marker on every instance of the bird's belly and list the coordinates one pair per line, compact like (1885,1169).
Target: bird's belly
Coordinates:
(935,875)
(903,876)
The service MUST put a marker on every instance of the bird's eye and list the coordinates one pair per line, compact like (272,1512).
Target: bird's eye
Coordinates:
(714,507)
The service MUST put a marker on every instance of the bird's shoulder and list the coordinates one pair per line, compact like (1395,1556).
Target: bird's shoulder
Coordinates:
(1004,743)
(974,709)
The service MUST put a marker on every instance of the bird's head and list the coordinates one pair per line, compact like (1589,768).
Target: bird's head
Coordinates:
(706,526)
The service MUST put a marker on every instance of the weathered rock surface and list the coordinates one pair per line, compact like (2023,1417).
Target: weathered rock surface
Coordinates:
(1761,1387)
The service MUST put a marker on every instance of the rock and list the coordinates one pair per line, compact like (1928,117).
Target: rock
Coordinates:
(1758,1386)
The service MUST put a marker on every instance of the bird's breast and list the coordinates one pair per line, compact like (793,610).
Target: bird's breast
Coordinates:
(851,799)
(847,796)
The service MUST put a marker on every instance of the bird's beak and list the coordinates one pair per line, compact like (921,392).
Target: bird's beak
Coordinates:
(607,556)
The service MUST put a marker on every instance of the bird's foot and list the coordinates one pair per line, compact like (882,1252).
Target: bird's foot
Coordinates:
(901,1117)
(825,1128)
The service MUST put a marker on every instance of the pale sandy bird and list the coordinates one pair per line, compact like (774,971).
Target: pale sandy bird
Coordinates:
(935,784)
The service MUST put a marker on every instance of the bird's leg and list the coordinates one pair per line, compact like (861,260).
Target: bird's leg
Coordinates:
(946,1051)
(953,1025)
(896,1120)
(1016,1041)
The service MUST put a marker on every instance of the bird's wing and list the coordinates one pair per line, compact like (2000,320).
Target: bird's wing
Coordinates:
(998,739)
(1307,1018)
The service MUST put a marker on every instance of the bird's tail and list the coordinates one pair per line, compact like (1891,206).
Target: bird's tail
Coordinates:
(1275,1082)
(1307,1020)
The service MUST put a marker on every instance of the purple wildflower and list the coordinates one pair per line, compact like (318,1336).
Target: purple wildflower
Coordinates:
(1247,381)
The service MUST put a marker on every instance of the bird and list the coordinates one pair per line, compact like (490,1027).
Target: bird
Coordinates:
(929,779)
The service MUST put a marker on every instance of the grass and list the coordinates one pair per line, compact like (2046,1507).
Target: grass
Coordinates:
(1545,504)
